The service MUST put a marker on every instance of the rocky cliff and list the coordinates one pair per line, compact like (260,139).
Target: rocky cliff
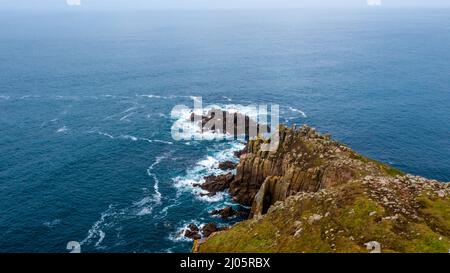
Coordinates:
(315,194)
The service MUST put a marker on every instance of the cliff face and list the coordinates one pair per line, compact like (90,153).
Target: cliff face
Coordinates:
(305,161)
(316,195)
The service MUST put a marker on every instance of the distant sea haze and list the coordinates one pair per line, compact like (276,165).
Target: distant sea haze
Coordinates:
(85,100)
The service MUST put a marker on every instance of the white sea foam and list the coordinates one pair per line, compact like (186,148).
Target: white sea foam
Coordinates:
(163,142)
(96,231)
(48,122)
(155,140)
(140,208)
(53,223)
(151,96)
(188,130)
(106,134)
(126,117)
(101,236)
(207,166)
(160,115)
(298,111)
(227,98)
(4,97)
(145,211)
(62,129)
(128,137)
(220,196)
(131,138)
(178,235)
(164,211)
(157,195)
(130,109)
(30,97)
(209,163)
(144,201)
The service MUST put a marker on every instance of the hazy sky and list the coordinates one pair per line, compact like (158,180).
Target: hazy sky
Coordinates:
(198,4)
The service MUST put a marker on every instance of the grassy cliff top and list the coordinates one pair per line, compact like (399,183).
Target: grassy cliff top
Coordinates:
(376,208)
(403,215)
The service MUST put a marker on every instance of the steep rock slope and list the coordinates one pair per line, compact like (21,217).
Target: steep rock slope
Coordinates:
(316,195)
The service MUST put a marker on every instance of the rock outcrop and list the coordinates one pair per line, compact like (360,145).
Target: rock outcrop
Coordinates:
(192,232)
(228,212)
(315,194)
(305,161)
(215,184)
(227,165)
(234,124)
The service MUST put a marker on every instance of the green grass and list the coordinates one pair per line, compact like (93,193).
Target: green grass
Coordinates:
(385,168)
(356,220)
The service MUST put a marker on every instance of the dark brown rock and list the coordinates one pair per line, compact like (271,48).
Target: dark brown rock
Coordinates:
(236,124)
(192,232)
(299,165)
(225,213)
(228,212)
(193,227)
(214,184)
(241,152)
(209,229)
(227,165)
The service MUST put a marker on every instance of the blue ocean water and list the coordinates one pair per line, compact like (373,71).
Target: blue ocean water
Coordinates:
(85,101)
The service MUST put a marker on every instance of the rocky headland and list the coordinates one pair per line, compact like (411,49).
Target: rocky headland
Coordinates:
(315,194)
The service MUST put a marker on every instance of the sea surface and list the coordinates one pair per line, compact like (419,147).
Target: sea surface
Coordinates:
(86,152)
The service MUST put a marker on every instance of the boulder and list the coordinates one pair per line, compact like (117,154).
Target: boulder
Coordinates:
(209,229)
(228,212)
(192,232)
(227,165)
(215,184)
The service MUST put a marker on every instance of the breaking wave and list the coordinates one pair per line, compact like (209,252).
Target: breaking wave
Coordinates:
(207,166)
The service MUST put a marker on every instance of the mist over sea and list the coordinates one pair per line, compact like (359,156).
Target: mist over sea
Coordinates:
(86,152)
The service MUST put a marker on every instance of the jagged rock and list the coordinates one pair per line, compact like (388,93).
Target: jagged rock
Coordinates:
(299,165)
(193,227)
(227,165)
(238,154)
(215,184)
(227,212)
(311,182)
(209,228)
(192,232)
(236,124)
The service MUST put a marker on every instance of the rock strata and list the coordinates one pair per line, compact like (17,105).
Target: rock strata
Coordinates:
(315,194)
(227,165)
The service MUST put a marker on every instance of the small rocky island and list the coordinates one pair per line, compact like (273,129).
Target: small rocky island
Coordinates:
(315,194)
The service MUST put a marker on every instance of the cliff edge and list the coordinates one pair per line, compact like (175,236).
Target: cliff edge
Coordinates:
(315,194)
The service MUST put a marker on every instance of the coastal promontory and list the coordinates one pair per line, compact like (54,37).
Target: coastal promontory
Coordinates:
(315,194)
